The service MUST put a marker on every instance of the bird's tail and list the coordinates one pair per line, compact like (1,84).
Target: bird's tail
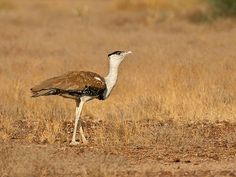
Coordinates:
(44,92)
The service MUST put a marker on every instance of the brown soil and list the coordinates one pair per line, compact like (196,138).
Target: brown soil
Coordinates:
(211,155)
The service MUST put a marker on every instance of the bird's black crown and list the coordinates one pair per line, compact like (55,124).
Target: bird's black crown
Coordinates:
(116,52)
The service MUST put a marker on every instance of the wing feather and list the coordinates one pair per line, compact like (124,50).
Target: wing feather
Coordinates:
(73,81)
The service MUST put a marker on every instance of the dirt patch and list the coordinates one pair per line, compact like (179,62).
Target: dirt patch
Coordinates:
(213,155)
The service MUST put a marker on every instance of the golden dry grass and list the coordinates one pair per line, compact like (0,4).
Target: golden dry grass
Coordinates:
(159,5)
(184,73)
(163,10)
(179,73)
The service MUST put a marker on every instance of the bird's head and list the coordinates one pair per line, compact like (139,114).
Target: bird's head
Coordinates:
(118,56)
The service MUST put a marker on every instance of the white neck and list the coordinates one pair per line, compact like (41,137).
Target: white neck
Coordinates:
(111,78)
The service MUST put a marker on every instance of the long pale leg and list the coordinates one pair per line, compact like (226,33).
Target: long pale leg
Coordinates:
(79,106)
(82,133)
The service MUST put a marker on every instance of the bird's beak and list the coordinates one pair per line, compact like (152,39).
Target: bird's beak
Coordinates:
(129,52)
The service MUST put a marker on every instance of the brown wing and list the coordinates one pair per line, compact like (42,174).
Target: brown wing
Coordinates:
(71,82)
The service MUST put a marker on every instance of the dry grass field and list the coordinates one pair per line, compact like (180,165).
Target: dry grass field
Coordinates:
(173,112)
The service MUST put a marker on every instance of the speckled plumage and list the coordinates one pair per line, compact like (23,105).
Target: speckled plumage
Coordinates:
(73,85)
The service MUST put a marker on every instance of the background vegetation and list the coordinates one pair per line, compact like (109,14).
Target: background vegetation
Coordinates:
(195,10)
(223,7)
(174,105)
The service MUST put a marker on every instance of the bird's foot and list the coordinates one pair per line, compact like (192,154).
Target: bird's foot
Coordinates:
(85,142)
(74,143)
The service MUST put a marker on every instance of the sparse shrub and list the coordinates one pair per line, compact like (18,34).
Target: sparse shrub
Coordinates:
(223,7)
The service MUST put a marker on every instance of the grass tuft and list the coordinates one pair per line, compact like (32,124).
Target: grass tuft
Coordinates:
(223,7)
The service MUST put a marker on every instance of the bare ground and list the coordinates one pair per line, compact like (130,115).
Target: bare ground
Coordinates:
(212,154)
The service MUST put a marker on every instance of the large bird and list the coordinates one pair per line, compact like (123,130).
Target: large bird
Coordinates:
(82,86)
